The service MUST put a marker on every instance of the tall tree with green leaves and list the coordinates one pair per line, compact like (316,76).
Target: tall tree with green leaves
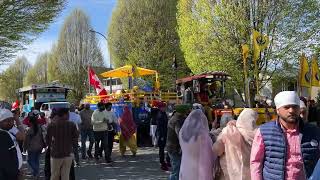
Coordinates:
(22,21)
(77,49)
(211,33)
(53,66)
(144,33)
(38,74)
(12,79)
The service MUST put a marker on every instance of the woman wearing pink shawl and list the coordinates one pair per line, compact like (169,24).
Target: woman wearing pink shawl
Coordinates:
(128,130)
(234,145)
(197,156)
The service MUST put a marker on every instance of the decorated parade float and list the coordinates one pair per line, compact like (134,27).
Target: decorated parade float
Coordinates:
(209,90)
(139,94)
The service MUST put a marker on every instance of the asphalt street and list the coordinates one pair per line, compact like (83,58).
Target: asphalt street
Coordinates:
(144,166)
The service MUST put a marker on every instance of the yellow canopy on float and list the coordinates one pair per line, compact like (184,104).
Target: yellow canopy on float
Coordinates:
(128,71)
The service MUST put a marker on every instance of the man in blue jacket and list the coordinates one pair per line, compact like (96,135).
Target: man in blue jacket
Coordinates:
(287,148)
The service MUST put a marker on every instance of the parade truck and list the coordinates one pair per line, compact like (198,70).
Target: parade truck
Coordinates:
(209,90)
(139,96)
(137,89)
(44,97)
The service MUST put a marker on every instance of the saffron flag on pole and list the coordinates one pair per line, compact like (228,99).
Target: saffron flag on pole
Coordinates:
(305,75)
(96,83)
(315,72)
(260,42)
(245,51)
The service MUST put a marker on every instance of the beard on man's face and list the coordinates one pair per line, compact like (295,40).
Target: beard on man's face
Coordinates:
(292,119)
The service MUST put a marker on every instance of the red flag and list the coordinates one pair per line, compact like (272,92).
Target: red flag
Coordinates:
(96,83)
(127,124)
(15,105)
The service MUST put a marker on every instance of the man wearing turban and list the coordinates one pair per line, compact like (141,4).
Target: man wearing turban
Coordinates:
(287,148)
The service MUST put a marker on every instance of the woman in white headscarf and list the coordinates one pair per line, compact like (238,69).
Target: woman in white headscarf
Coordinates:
(196,145)
(234,146)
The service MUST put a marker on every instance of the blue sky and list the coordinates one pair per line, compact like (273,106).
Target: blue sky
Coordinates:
(99,12)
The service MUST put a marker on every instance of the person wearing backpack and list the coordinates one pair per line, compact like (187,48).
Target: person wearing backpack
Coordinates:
(34,143)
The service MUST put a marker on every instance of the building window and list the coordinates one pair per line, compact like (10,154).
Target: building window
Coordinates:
(114,82)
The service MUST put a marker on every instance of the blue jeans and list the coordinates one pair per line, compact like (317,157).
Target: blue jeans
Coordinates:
(33,161)
(84,135)
(175,159)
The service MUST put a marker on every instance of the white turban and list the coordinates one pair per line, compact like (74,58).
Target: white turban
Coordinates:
(5,114)
(285,98)
(302,104)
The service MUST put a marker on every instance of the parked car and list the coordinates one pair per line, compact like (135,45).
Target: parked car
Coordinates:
(47,107)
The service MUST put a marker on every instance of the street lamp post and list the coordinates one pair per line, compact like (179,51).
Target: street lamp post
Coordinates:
(93,31)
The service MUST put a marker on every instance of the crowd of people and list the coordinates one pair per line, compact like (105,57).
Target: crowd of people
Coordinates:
(58,137)
(190,146)
(286,148)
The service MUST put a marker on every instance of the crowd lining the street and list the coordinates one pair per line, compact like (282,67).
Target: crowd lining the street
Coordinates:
(190,146)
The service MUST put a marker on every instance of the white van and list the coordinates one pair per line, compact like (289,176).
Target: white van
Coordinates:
(47,107)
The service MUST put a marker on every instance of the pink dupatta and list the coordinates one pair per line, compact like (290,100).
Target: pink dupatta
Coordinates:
(234,146)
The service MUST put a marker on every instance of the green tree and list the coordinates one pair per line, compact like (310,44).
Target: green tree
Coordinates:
(212,32)
(53,66)
(144,33)
(22,21)
(77,49)
(38,74)
(12,79)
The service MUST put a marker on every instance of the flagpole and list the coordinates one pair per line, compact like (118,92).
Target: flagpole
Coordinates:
(309,98)
(311,77)
(257,75)
(245,81)
(299,78)
(89,80)
(245,51)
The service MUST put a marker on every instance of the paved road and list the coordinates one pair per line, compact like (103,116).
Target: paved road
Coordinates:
(144,166)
